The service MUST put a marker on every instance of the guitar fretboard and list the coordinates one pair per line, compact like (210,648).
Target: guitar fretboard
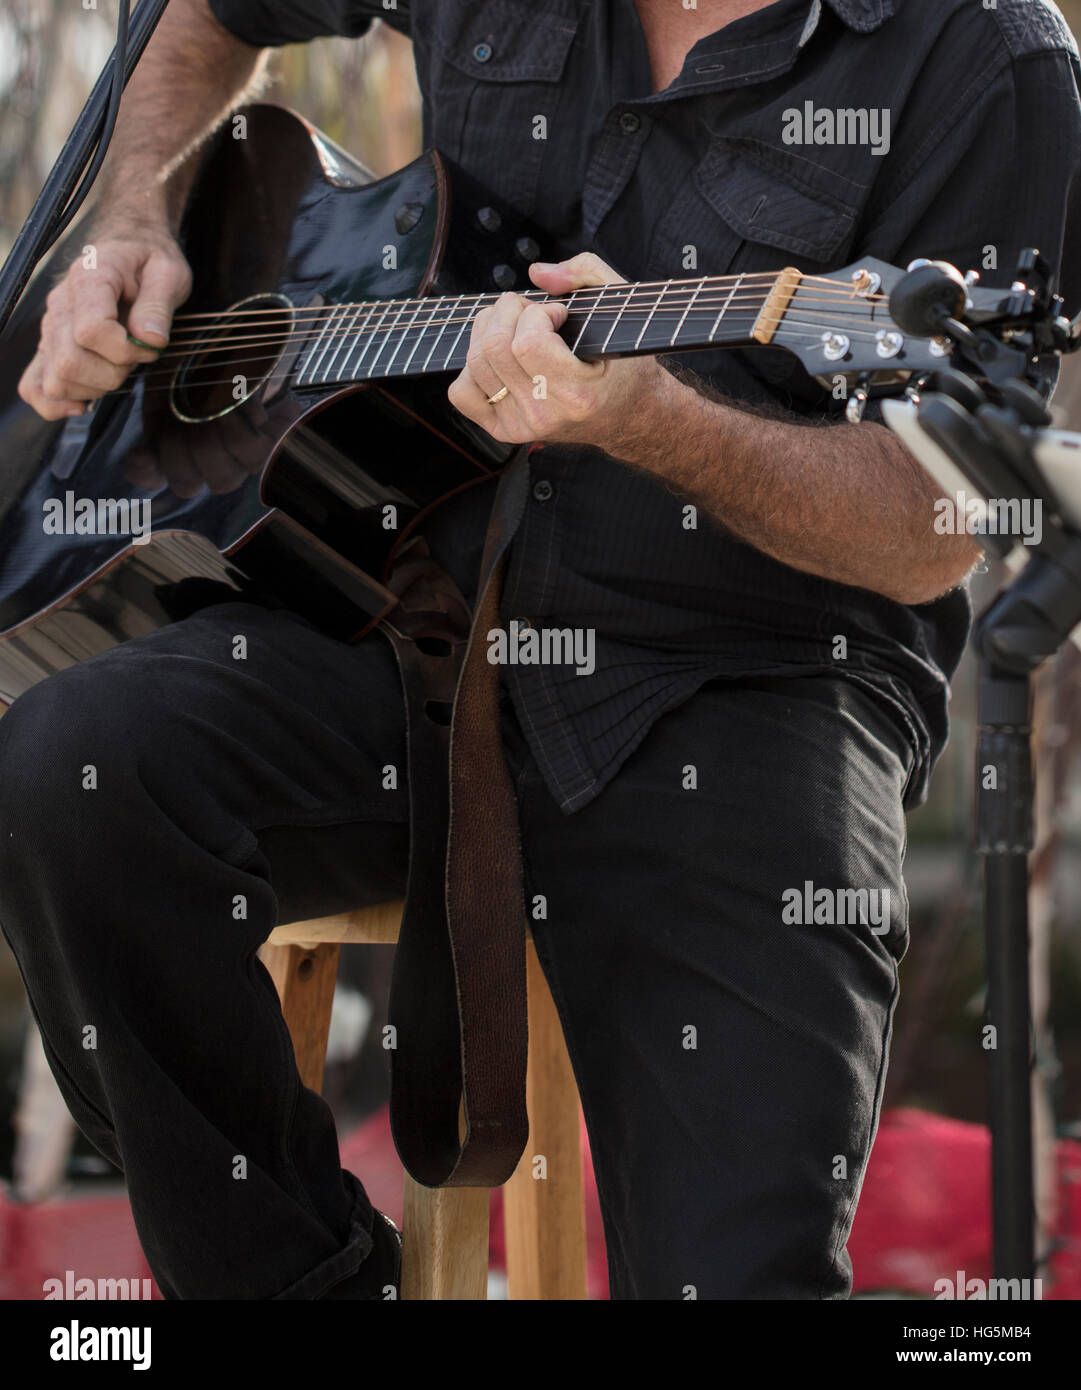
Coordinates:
(411,337)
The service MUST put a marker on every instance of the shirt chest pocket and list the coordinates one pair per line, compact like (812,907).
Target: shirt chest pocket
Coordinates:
(490,75)
(739,213)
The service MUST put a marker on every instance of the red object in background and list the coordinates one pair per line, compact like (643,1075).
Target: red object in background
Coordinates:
(922,1217)
(94,1237)
(925,1209)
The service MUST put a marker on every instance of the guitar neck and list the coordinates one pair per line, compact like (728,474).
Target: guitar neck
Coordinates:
(412,337)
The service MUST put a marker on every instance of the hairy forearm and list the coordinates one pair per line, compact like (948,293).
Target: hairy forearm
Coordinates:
(192,73)
(845,502)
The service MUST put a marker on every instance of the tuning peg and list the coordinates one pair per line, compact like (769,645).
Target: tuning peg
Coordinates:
(857,402)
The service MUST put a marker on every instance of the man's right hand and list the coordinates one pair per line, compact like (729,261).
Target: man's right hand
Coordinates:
(129,280)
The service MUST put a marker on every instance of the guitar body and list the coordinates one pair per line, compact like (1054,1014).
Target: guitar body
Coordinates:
(332,478)
(300,411)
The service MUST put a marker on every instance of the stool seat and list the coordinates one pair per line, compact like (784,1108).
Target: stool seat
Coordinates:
(445,1229)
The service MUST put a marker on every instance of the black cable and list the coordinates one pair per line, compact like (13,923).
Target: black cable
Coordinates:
(108,124)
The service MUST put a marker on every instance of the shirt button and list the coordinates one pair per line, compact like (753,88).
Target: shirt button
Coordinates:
(482,52)
(542,491)
(630,122)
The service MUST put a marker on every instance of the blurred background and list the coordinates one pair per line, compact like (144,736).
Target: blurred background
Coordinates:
(925,1195)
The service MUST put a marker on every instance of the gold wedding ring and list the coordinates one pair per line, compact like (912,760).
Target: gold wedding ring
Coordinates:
(503,391)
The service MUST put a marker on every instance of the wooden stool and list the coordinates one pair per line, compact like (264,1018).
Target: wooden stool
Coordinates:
(445,1230)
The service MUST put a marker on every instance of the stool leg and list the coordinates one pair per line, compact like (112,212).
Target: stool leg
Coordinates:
(304,978)
(445,1242)
(444,1230)
(544,1217)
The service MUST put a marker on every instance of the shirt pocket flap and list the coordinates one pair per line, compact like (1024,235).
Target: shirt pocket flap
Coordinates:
(783,208)
(504,40)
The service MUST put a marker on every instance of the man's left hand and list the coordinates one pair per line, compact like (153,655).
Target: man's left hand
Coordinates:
(552,395)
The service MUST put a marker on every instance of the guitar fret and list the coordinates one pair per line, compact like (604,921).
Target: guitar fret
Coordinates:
(649,319)
(690,304)
(724,308)
(385,305)
(317,365)
(343,342)
(596,306)
(466,323)
(405,335)
(370,370)
(347,372)
(310,359)
(615,323)
(420,338)
(442,330)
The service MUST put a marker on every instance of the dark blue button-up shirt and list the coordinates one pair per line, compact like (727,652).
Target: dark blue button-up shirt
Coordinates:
(971,150)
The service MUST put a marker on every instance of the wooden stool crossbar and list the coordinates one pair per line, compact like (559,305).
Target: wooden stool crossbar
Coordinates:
(445,1230)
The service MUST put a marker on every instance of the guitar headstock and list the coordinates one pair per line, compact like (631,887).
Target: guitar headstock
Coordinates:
(840,324)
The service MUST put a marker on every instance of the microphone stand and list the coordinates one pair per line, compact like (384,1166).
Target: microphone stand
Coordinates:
(990,432)
(38,230)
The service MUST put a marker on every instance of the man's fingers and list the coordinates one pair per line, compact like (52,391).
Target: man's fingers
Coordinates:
(95,325)
(472,399)
(581,270)
(32,391)
(537,348)
(491,356)
(164,283)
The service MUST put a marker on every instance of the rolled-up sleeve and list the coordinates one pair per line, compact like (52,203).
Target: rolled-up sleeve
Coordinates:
(271,23)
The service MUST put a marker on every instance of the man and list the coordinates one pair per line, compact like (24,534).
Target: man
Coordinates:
(776,620)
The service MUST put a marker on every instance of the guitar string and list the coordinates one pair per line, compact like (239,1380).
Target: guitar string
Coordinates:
(675,287)
(222,342)
(349,324)
(130,386)
(280,343)
(388,306)
(152,369)
(716,281)
(675,300)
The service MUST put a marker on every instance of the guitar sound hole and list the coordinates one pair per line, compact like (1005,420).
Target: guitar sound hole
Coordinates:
(237,352)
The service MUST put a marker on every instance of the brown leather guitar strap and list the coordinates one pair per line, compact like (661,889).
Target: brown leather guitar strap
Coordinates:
(458,988)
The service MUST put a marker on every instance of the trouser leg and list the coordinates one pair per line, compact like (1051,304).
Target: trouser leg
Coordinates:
(162,806)
(730,1061)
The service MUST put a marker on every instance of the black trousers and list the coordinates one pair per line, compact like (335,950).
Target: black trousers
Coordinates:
(164,804)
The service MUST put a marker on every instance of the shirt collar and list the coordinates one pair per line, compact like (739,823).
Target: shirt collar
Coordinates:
(863,15)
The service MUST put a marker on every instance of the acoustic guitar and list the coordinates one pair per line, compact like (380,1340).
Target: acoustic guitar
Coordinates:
(300,407)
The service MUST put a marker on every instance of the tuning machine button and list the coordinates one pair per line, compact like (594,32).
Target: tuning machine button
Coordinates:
(857,402)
